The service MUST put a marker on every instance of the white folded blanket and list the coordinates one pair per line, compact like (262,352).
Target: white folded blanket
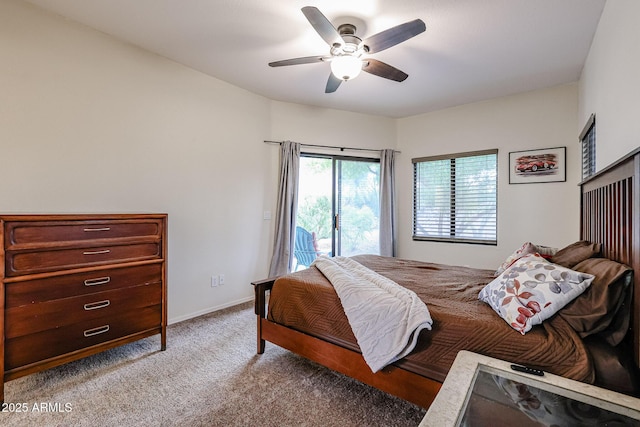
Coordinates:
(385,317)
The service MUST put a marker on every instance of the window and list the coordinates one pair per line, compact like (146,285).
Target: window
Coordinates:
(588,140)
(455,197)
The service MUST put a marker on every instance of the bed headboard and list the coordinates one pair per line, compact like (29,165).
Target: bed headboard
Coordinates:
(610,215)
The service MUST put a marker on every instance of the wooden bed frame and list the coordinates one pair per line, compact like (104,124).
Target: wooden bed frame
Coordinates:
(610,215)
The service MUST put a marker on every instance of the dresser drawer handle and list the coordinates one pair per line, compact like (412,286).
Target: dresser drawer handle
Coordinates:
(98,229)
(103,251)
(97,305)
(97,281)
(96,331)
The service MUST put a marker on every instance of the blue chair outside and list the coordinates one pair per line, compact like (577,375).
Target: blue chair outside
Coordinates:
(305,249)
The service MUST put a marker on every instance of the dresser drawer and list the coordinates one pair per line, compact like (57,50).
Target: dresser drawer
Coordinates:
(55,314)
(40,346)
(71,285)
(30,262)
(42,232)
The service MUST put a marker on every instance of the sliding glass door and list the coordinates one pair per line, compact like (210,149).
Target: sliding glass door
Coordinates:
(358,207)
(338,205)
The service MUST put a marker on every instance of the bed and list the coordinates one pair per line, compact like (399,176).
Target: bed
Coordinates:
(303,317)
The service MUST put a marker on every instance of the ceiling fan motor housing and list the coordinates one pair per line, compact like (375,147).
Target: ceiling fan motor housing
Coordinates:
(351,44)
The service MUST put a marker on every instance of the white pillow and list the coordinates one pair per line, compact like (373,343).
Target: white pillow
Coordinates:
(532,290)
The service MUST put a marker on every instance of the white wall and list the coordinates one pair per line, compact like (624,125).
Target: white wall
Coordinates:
(90,124)
(322,126)
(610,82)
(545,214)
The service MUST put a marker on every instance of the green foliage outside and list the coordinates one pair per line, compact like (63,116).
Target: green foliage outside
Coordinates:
(314,214)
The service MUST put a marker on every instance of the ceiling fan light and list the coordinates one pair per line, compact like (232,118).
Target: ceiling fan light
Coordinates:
(346,67)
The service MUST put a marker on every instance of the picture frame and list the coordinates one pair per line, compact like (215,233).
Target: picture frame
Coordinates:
(538,166)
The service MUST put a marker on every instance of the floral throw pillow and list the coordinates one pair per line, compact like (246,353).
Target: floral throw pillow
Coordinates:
(532,290)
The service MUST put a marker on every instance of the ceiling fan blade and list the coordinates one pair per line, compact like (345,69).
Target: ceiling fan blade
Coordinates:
(381,69)
(332,84)
(297,61)
(322,25)
(393,36)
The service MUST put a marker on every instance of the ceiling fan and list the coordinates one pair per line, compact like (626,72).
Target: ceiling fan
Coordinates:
(347,54)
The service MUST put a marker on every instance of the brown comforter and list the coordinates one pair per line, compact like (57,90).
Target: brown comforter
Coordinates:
(307,302)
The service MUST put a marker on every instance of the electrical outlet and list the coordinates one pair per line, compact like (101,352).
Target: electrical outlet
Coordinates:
(221,279)
(214,281)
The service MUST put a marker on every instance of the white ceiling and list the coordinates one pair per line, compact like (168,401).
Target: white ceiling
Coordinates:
(472,49)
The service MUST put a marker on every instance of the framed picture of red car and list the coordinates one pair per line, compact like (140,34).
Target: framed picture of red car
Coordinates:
(533,166)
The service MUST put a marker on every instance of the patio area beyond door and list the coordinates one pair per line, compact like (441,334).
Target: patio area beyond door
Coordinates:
(339,204)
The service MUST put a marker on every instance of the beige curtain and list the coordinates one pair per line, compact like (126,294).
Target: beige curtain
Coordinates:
(283,244)
(387,204)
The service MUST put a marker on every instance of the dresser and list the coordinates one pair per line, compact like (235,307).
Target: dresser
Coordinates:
(75,285)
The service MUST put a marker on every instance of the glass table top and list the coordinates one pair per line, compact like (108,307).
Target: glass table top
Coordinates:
(522,401)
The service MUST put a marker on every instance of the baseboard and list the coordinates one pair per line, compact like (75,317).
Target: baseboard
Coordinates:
(209,310)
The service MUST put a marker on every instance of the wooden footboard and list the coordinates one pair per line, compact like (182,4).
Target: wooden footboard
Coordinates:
(393,380)
(260,289)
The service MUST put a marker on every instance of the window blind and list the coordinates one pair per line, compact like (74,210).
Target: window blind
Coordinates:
(455,198)
(588,140)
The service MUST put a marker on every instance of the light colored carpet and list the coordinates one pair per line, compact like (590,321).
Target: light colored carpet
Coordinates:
(209,375)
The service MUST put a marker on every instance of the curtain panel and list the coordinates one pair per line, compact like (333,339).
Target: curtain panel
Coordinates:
(283,244)
(387,203)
